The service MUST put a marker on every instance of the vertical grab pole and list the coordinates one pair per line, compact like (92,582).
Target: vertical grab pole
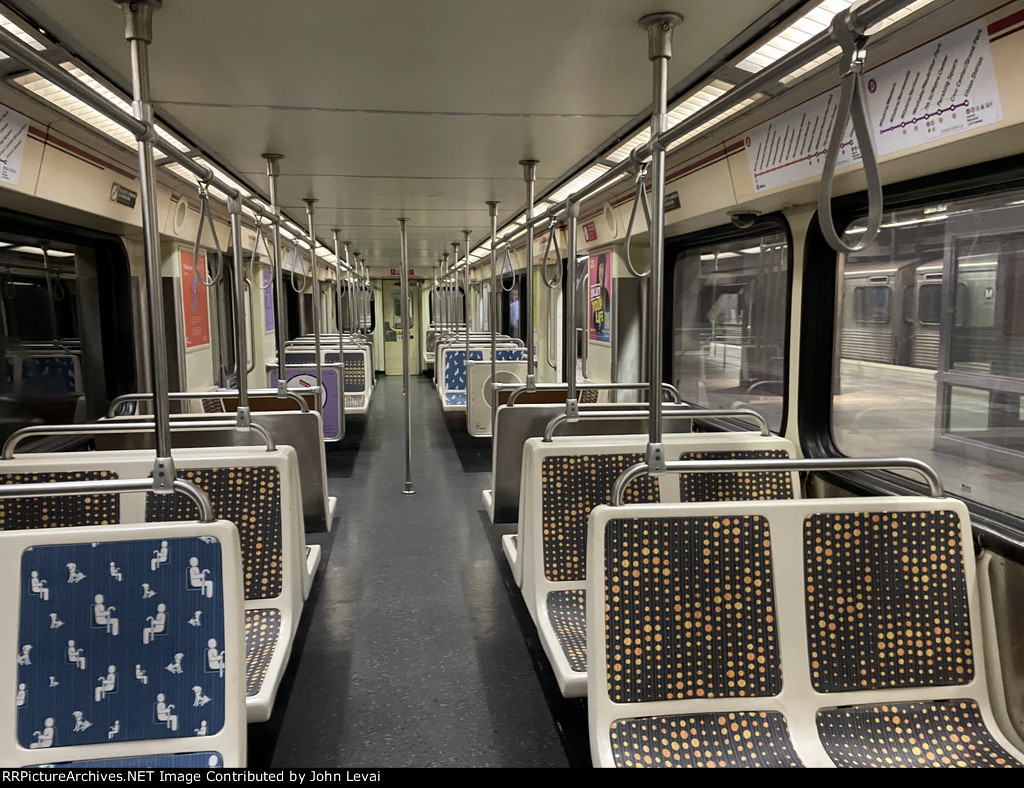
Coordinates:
(138,17)
(455,275)
(446,285)
(310,202)
(530,176)
(493,318)
(406,390)
(349,286)
(570,296)
(238,298)
(273,170)
(659,29)
(364,297)
(337,284)
(466,234)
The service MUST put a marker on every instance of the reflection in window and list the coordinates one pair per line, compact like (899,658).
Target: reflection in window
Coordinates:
(944,380)
(729,344)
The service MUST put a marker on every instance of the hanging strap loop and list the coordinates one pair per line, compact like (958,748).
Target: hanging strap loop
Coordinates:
(507,263)
(249,275)
(639,199)
(852,106)
(556,280)
(204,212)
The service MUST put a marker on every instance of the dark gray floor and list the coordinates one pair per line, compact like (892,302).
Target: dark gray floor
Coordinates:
(414,653)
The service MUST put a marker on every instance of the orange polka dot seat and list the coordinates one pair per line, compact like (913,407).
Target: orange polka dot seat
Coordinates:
(830,632)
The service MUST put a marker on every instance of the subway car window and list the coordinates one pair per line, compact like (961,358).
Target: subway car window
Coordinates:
(943,382)
(729,316)
(66,350)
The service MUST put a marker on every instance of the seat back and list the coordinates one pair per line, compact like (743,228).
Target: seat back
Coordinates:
(826,632)
(107,677)
(256,489)
(515,425)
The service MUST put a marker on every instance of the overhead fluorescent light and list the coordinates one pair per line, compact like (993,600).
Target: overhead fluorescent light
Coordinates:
(20,34)
(811,24)
(36,250)
(581,181)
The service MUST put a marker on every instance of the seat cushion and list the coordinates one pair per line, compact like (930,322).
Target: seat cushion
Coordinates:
(715,740)
(913,735)
(262,631)
(567,612)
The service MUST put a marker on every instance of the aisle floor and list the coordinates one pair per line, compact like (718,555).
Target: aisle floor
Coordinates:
(414,654)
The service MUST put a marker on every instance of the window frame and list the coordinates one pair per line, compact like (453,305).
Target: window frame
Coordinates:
(675,247)
(994,528)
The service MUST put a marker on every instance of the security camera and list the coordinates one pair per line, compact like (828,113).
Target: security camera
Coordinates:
(744,219)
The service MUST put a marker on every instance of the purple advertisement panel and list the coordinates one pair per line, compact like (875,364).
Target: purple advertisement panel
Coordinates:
(268,302)
(600,300)
(305,377)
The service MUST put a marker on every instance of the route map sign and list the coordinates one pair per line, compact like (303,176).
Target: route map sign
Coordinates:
(941,88)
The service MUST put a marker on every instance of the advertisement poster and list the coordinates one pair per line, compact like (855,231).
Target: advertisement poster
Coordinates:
(13,135)
(195,312)
(600,298)
(268,302)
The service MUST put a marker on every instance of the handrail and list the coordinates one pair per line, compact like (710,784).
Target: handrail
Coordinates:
(824,464)
(511,269)
(684,412)
(248,286)
(519,388)
(100,486)
(852,105)
(185,395)
(125,425)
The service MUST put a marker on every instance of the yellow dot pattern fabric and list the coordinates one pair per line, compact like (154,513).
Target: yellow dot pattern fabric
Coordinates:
(886,601)
(704,741)
(354,376)
(61,510)
(262,630)
(570,487)
(567,612)
(939,734)
(736,485)
(588,396)
(251,499)
(690,609)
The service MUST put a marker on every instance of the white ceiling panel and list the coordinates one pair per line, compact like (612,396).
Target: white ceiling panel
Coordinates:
(384,108)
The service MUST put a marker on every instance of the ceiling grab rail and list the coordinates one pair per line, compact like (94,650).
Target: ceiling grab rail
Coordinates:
(639,199)
(555,281)
(849,33)
(516,389)
(752,466)
(206,212)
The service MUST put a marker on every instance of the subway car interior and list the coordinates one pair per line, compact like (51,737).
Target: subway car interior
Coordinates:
(511,385)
